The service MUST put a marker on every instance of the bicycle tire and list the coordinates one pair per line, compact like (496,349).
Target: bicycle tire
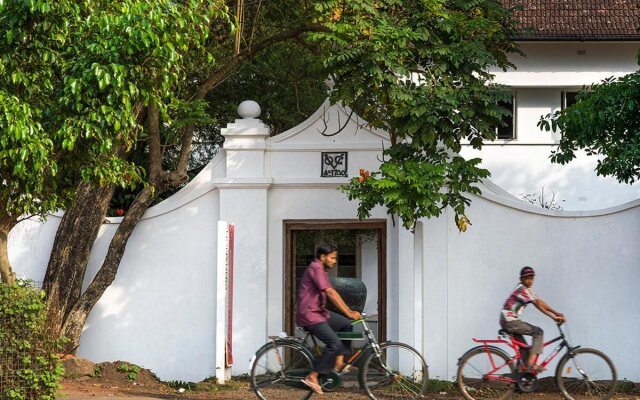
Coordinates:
(273,372)
(473,367)
(405,376)
(586,374)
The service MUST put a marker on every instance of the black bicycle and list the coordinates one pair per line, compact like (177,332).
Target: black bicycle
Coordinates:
(389,370)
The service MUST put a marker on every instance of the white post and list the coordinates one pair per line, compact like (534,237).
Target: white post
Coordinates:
(406,291)
(435,242)
(243,200)
(223,371)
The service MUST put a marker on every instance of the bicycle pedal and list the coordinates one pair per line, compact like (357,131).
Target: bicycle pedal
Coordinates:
(513,375)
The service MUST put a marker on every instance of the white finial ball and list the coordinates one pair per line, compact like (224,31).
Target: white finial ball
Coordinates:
(249,109)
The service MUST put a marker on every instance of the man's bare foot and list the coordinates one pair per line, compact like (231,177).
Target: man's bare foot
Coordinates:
(313,384)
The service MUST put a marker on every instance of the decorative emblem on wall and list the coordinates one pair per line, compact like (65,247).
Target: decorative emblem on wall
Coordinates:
(334,164)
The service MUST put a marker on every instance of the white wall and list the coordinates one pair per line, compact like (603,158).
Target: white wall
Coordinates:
(522,166)
(587,267)
(568,64)
(524,170)
(369,268)
(160,311)
(443,287)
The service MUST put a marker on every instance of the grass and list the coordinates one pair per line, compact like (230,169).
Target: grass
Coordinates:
(438,385)
(626,386)
(211,385)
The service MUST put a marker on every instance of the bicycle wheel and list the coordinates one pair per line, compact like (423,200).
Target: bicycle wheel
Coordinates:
(586,374)
(399,373)
(278,369)
(481,374)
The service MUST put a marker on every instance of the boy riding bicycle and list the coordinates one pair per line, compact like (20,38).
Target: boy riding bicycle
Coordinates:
(515,305)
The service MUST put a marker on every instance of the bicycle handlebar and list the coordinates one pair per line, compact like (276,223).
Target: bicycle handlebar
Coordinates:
(364,318)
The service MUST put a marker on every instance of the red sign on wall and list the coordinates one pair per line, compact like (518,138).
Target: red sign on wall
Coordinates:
(229,348)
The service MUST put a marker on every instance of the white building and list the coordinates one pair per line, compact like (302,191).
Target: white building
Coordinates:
(435,289)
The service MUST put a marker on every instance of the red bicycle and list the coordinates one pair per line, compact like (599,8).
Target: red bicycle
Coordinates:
(488,372)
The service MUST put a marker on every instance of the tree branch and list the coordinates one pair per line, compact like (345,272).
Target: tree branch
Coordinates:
(155,154)
(180,174)
(221,73)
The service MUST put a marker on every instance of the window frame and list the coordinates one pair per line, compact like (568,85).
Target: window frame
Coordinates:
(514,115)
(563,98)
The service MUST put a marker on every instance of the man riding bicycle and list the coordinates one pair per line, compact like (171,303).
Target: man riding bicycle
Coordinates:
(515,305)
(313,316)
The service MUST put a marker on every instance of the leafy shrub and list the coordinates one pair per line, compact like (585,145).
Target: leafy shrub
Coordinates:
(131,370)
(29,367)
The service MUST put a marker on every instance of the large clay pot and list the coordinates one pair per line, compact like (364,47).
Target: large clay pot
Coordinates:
(353,292)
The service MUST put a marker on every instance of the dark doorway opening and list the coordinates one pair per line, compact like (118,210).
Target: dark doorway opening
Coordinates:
(362,255)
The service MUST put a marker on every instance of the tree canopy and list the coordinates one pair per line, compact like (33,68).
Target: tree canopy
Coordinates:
(118,93)
(419,70)
(74,80)
(605,122)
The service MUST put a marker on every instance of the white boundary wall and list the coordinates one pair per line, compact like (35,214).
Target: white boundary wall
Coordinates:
(587,265)
(443,287)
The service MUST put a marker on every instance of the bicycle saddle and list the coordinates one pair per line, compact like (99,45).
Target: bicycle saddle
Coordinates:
(502,332)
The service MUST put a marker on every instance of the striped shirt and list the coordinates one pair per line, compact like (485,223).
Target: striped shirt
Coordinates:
(516,303)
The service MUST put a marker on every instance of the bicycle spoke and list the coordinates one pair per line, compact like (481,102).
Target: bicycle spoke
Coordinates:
(478,376)
(399,373)
(589,374)
(267,382)
(278,371)
(410,387)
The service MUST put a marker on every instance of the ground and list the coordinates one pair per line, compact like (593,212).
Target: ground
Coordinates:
(119,380)
(113,381)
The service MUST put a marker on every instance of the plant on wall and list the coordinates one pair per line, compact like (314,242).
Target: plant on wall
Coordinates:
(539,200)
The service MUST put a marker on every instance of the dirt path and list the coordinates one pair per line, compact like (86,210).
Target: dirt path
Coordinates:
(110,382)
(74,390)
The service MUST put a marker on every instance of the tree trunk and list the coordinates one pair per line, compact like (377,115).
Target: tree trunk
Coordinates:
(79,311)
(6,223)
(71,250)
(68,308)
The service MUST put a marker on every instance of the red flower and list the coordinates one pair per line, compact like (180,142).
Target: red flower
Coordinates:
(361,171)
(119,212)
(361,179)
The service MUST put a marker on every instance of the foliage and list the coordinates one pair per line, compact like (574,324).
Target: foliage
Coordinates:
(182,385)
(29,367)
(75,76)
(625,386)
(409,184)
(74,80)
(287,81)
(418,69)
(605,122)
(131,370)
(439,386)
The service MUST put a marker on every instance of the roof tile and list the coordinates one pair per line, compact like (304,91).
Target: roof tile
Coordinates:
(577,19)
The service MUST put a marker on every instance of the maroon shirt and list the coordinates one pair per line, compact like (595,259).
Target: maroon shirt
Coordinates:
(311,296)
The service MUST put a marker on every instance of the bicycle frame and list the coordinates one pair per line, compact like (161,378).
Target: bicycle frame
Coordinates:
(516,345)
(372,344)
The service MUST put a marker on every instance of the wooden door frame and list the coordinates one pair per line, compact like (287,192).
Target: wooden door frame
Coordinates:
(380,225)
